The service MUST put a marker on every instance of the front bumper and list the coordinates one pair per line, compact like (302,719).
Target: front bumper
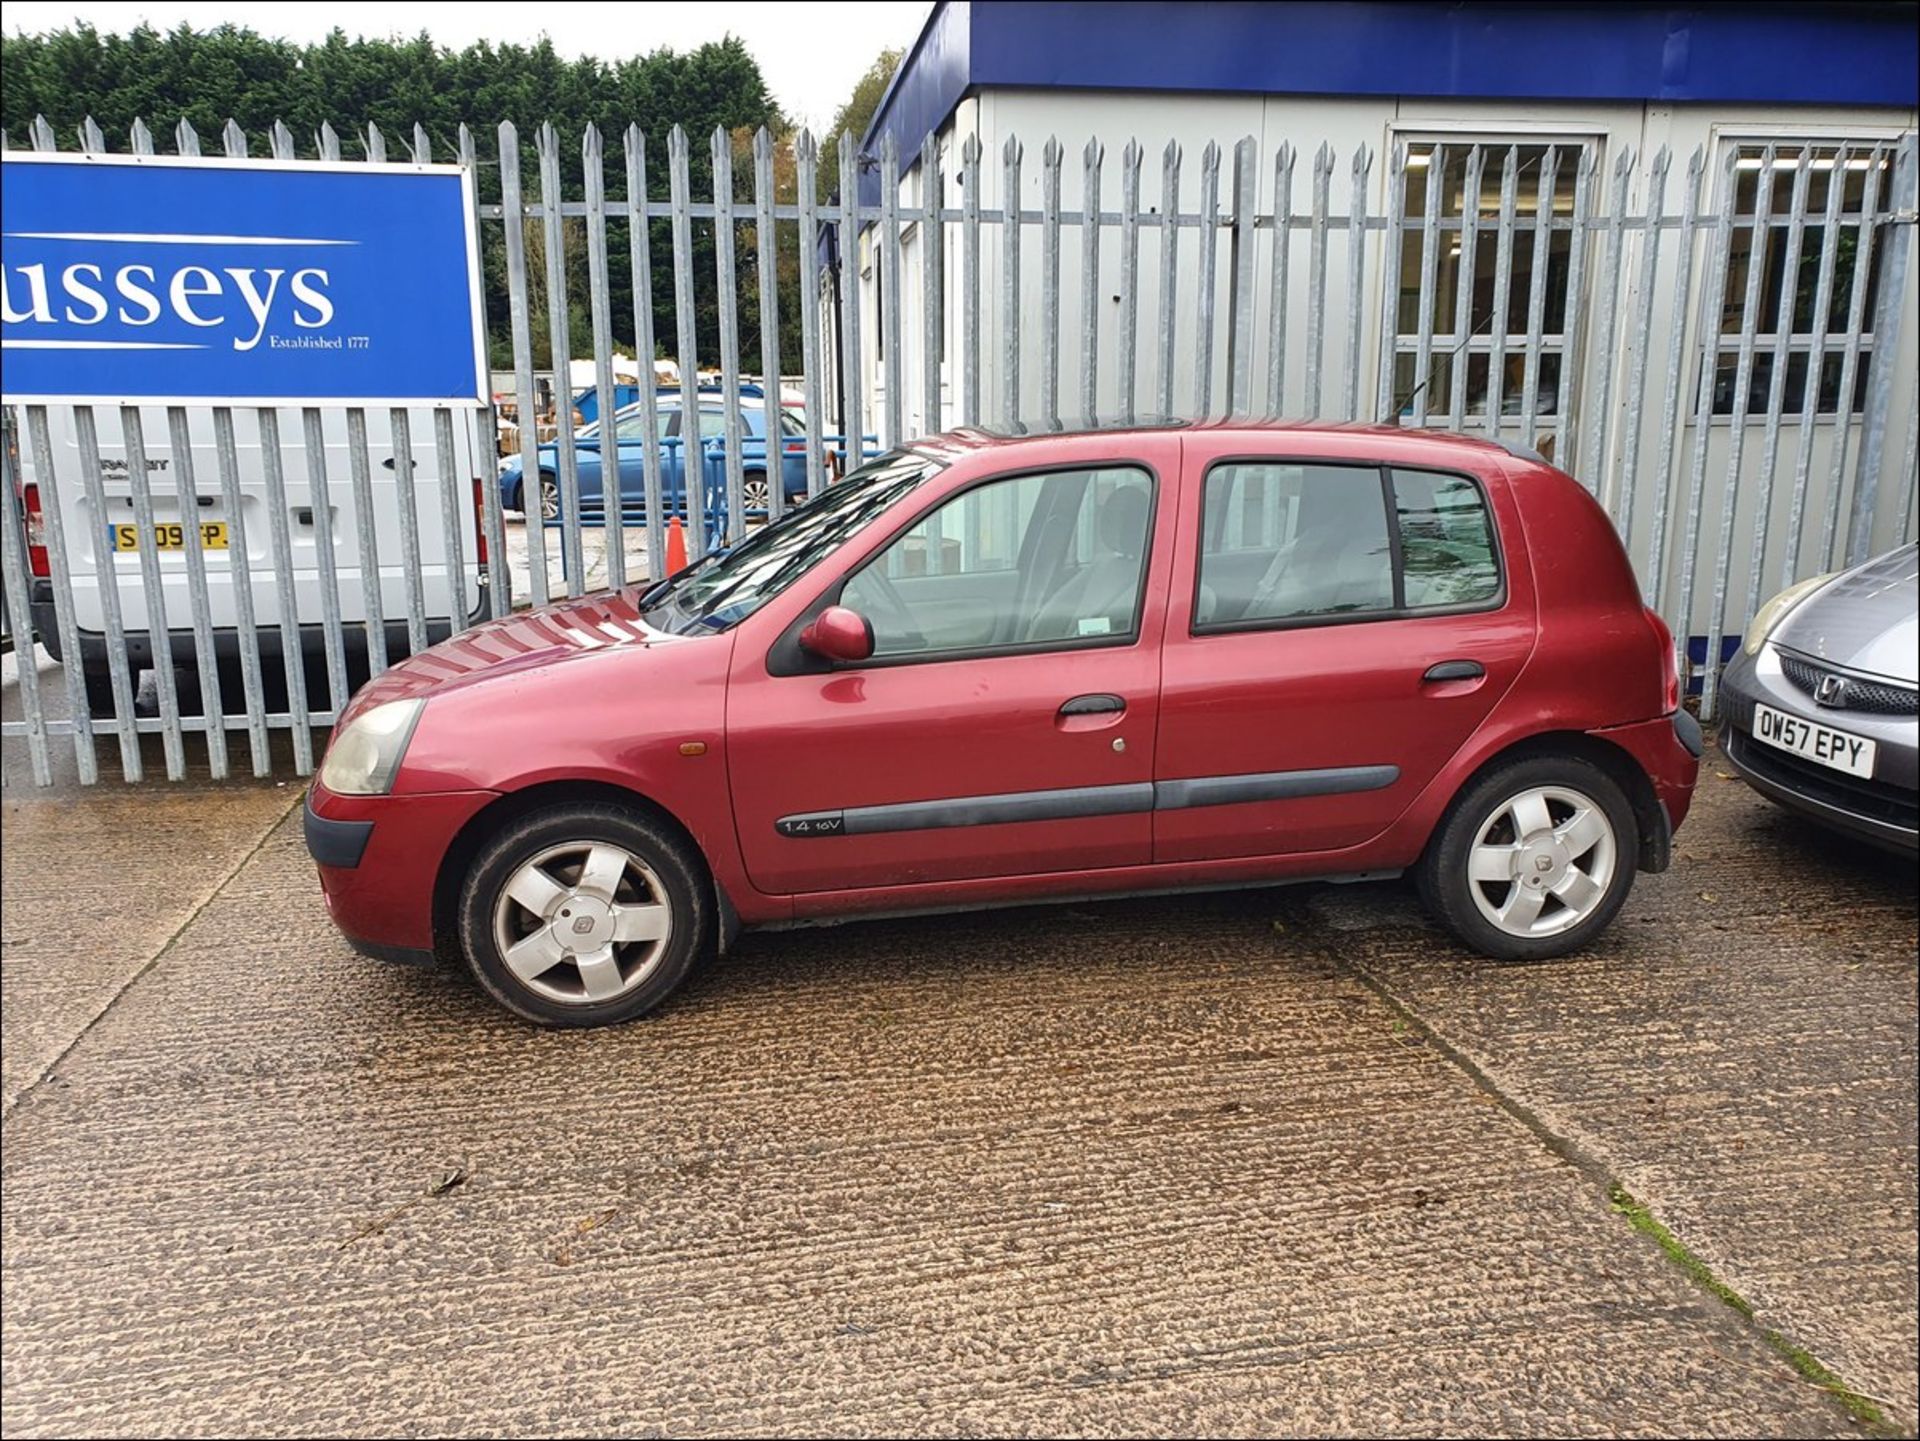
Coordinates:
(1883,810)
(379,859)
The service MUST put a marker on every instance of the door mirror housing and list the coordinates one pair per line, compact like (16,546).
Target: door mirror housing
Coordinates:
(838,633)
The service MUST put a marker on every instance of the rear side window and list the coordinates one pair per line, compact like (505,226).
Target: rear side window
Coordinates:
(1287,542)
(1446,540)
(1296,542)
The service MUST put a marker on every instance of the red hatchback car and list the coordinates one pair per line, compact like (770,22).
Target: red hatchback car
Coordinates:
(990,669)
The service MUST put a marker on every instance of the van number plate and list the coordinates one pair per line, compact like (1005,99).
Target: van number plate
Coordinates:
(1829,747)
(170,535)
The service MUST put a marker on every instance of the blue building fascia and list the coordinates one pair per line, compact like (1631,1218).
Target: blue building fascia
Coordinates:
(1856,54)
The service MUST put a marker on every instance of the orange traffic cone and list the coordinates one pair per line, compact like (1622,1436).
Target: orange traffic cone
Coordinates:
(676,547)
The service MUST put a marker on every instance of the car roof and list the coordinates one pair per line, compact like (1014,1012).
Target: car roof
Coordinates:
(1440,447)
(671,401)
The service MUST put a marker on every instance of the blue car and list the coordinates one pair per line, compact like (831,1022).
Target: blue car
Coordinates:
(631,439)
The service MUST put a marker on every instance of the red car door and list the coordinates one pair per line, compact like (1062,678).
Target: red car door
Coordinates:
(1337,629)
(1006,722)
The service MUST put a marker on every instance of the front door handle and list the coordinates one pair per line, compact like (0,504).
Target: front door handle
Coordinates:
(1453,670)
(1093,705)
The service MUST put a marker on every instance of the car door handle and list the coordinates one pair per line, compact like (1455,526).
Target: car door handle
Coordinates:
(1093,705)
(1448,670)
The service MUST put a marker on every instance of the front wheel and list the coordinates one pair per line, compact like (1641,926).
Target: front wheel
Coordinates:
(549,497)
(1533,859)
(584,915)
(754,494)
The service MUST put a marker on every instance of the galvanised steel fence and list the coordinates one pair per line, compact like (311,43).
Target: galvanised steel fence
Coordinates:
(1717,351)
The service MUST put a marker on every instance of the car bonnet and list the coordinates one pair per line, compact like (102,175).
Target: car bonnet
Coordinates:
(1868,619)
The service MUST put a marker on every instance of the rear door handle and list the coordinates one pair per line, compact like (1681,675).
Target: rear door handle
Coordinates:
(1453,670)
(1093,705)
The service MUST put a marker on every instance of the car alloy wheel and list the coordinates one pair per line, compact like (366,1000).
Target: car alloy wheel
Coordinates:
(583,923)
(549,498)
(1542,862)
(754,494)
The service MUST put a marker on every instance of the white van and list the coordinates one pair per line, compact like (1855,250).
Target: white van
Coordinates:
(95,543)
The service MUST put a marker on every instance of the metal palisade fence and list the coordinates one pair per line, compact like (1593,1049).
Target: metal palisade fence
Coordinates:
(1720,349)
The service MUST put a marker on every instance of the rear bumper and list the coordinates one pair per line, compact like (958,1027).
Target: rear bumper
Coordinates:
(379,860)
(226,639)
(1668,750)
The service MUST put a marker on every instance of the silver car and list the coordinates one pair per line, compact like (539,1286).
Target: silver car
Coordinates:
(1823,701)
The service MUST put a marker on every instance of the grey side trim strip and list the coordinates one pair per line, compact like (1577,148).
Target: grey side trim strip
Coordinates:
(1079,802)
(1273,786)
(1074,802)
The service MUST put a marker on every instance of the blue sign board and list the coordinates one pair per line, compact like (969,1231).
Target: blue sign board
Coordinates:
(187,281)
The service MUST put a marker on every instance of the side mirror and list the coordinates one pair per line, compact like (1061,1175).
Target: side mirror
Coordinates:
(839,634)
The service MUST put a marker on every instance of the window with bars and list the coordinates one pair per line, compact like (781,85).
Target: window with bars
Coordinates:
(1847,188)
(1464,341)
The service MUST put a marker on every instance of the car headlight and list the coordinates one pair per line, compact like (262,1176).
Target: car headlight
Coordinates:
(1775,610)
(365,757)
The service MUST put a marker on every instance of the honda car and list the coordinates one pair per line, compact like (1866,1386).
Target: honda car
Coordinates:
(1823,702)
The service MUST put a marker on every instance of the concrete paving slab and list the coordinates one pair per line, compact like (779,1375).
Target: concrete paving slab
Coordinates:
(93,882)
(1740,1051)
(1134,1168)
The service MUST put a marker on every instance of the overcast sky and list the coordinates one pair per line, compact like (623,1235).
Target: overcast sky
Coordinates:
(811,51)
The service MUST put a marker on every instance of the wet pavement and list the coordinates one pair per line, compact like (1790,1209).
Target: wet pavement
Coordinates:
(1267,1162)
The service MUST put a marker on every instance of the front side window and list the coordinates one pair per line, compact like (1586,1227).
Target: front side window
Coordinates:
(1034,560)
(1852,182)
(1462,365)
(729,585)
(1298,543)
(632,425)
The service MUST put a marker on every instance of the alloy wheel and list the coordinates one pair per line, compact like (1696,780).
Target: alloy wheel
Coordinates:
(582,923)
(1543,861)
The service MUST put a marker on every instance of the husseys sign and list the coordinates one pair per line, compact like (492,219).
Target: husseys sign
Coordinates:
(173,280)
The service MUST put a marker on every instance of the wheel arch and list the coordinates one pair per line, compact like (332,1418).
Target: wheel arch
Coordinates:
(1656,841)
(542,795)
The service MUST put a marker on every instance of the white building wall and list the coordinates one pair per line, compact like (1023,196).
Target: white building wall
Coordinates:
(1345,124)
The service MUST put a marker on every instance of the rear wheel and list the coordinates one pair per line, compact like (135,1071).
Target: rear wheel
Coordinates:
(1533,859)
(98,681)
(584,915)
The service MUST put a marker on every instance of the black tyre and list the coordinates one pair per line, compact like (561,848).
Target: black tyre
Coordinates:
(549,497)
(1533,859)
(98,681)
(584,915)
(754,494)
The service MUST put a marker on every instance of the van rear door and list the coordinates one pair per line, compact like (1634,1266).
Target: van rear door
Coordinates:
(96,541)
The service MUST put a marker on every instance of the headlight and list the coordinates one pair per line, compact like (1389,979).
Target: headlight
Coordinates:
(1775,610)
(364,758)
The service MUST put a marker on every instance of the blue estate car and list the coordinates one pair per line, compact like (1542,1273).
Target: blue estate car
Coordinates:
(632,440)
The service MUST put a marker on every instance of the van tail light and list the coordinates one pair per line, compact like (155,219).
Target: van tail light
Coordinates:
(479,521)
(1669,666)
(36,531)
(796,447)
